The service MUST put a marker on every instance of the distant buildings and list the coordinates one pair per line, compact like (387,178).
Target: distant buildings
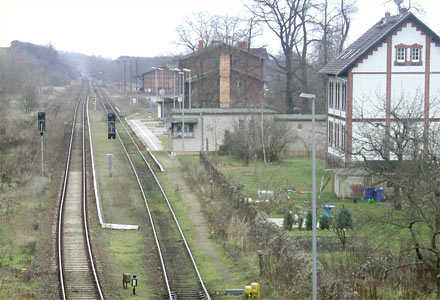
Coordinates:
(220,75)
(226,76)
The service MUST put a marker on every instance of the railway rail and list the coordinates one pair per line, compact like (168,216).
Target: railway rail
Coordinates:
(77,271)
(181,276)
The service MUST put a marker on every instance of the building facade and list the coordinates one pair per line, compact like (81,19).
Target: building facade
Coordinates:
(162,82)
(225,76)
(205,129)
(396,63)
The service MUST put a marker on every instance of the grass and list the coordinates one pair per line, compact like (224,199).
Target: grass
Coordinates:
(122,203)
(126,250)
(297,173)
(291,173)
(236,277)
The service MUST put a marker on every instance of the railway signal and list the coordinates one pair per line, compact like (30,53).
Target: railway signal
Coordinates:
(41,129)
(41,122)
(111,126)
(134,283)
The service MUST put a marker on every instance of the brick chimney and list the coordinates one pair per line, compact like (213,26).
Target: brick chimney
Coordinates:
(225,80)
(243,45)
(200,45)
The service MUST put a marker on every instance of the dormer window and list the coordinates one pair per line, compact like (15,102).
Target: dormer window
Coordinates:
(408,55)
(400,55)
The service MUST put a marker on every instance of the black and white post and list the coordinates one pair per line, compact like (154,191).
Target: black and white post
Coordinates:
(41,130)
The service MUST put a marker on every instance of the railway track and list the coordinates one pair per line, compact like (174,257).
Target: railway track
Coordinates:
(182,279)
(77,272)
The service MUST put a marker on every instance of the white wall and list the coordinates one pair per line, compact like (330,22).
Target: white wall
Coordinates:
(375,62)
(369,94)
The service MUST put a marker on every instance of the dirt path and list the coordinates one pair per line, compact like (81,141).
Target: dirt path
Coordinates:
(196,215)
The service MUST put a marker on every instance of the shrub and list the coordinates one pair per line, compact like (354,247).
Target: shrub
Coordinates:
(342,222)
(324,222)
(309,221)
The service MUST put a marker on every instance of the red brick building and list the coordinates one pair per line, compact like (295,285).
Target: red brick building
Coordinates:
(160,81)
(225,76)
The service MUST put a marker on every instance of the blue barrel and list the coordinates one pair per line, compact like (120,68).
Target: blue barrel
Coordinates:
(369,193)
(379,195)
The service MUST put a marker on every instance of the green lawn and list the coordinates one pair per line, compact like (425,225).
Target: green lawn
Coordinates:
(291,173)
(297,173)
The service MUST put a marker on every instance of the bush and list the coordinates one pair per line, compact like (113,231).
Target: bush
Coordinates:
(342,222)
(343,219)
(309,221)
(247,141)
(324,222)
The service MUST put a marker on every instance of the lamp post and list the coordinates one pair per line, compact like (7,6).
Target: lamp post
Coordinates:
(157,88)
(174,78)
(189,91)
(183,112)
(314,243)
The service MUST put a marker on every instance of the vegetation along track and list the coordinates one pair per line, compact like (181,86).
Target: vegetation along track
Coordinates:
(77,273)
(181,276)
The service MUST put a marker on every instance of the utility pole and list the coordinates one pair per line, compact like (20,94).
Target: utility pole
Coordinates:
(125,78)
(131,76)
(137,85)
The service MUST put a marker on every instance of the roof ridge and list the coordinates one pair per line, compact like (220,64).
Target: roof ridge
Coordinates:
(365,42)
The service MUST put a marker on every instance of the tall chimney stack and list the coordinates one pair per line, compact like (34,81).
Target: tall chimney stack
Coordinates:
(225,80)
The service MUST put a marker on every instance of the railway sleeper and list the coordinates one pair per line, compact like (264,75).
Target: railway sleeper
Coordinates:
(188,295)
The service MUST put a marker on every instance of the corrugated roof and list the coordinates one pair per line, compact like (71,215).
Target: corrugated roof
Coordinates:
(370,39)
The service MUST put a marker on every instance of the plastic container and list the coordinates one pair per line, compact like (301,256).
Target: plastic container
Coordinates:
(379,195)
(369,193)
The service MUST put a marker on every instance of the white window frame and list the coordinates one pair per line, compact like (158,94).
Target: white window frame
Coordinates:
(415,50)
(400,51)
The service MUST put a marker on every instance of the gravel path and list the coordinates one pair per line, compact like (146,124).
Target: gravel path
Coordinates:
(196,214)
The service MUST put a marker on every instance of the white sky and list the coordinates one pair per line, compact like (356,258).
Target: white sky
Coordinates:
(145,27)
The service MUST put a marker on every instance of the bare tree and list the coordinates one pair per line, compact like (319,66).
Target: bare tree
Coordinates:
(29,94)
(249,140)
(207,28)
(288,21)
(332,23)
(405,155)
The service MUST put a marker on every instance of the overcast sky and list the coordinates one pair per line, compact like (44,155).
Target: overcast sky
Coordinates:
(144,27)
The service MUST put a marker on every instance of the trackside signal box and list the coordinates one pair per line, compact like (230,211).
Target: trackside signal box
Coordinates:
(41,122)
(111,126)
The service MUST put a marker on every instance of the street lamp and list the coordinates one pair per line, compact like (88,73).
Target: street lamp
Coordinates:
(183,112)
(174,84)
(157,88)
(189,92)
(314,244)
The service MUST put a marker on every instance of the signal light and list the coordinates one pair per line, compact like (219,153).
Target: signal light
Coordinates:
(41,122)
(111,126)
